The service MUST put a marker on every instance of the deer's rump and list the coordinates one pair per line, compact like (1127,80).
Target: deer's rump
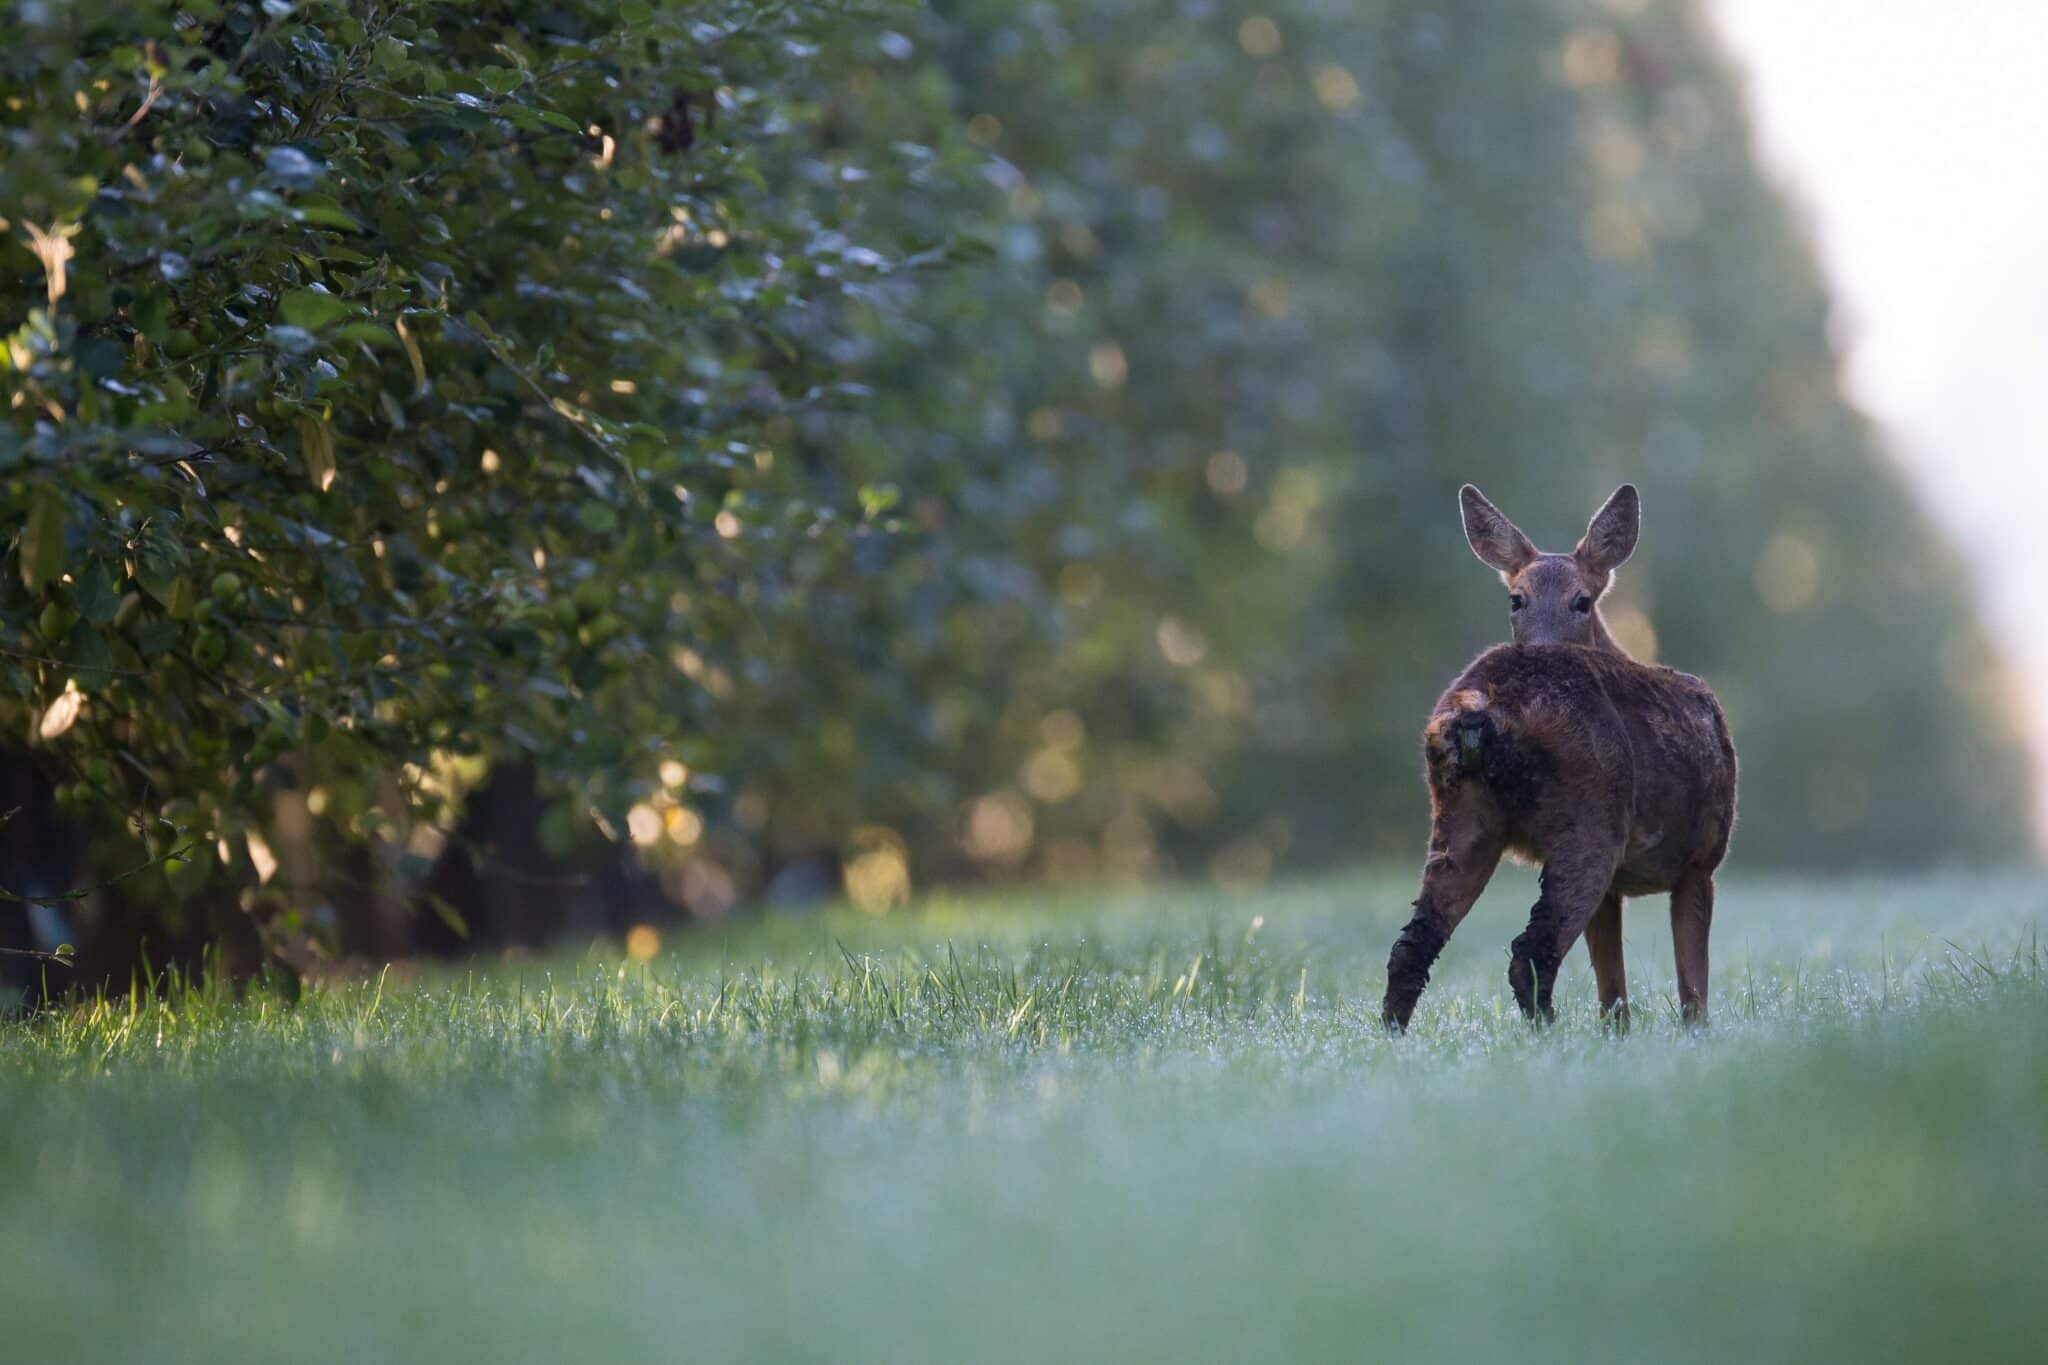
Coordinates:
(1553,741)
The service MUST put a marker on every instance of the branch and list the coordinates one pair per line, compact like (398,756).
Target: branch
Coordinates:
(62,957)
(69,896)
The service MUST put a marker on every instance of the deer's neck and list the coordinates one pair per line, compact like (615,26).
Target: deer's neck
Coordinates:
(1603,638)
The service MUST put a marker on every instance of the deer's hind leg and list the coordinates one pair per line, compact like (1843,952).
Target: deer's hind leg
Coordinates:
(1575,883)
(1465,844)
(1692,918)
(1603,945)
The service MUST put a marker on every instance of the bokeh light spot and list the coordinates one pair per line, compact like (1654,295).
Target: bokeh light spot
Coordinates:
(1180,643)
(683,825)
(1107,364)
(1632,630)
(1787,573)
(1271,298)
(877,869)
(1062,730)
(1591,57)
(999,829)
(1337,89)
(1044,424)
(1052,776)
(1226,473)
(1259,36)
(1614,232)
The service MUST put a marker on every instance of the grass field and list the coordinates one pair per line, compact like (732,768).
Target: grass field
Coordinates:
(1153,1128)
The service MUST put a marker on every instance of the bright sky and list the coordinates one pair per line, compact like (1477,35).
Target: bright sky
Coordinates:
(1915,137)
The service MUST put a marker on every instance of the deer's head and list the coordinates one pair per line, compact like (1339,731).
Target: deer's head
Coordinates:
(1555,599)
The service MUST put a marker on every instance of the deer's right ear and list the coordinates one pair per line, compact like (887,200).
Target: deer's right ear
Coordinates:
(1498,542)
(1611,535)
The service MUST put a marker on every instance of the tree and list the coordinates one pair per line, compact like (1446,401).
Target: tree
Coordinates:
(1268,283)
(393,389)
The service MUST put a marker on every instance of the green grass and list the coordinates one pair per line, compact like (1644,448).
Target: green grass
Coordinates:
(1141,1129)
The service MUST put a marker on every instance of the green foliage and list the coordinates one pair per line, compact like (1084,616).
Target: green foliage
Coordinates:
(995,441)
(1268,282)
(387,384)
(1023,1132)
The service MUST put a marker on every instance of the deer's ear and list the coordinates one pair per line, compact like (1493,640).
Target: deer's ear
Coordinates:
(1611,535)
(1498,542)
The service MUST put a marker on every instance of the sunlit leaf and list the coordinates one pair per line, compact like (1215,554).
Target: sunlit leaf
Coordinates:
(42,538)
(313,309)
(316,447)
(61,714)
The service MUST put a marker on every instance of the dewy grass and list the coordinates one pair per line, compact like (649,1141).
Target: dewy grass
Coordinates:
(1158,1127)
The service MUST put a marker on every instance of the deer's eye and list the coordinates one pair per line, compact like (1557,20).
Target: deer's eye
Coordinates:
(1516,601)
(1582,604)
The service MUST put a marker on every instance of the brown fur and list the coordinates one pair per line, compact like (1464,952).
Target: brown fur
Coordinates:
(1617,777)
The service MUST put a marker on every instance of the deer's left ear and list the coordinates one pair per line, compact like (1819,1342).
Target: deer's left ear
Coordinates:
(1611,535)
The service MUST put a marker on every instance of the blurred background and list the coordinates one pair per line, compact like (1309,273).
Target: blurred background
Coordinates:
(1893,135)
(1153,456)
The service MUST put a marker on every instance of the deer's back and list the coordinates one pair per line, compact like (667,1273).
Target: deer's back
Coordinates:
(1584,735)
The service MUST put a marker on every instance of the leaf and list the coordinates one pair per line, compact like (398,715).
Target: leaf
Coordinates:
(875,499)
(95,594)
(61,714)
(42,539)
(313,309)
(391,57)
(326,215)
(261,858)
(369,333)
(536,120)
(292,167)
(150,313)
(187,874)
(296,340)
(316,445)
(88,656)
(446,912)
(155,637)
(180,599)
(519,116)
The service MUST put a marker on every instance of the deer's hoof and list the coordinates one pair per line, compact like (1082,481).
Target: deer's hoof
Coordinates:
(1522,981)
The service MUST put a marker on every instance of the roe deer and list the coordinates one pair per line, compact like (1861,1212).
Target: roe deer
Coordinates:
(1617,776)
